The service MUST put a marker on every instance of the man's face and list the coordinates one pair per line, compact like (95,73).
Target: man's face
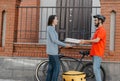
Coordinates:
(96,22)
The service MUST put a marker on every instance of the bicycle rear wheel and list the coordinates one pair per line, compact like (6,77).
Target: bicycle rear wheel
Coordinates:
(41,71)
(88,69)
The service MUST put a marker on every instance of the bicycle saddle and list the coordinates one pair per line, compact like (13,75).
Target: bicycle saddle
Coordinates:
(84,52)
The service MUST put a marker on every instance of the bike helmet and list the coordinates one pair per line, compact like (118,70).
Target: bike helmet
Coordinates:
(101,17)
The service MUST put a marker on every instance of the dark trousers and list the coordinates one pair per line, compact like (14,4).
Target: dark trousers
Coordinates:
(53,68)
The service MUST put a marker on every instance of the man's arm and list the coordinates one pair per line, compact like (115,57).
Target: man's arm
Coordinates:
(90,41)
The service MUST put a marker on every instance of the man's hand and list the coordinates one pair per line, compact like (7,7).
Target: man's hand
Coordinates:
(85,41)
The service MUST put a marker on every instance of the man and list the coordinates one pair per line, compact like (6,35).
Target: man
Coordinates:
(98,45)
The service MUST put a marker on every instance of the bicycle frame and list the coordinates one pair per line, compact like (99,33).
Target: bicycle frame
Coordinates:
(79,61)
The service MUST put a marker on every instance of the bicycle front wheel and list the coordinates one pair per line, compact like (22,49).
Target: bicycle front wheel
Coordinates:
(41,71)
(88,69)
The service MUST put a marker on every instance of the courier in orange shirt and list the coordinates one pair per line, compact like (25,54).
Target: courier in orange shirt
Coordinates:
(98,42)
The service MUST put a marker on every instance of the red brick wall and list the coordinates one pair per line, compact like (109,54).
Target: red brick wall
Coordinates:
(10,7)
(107,6)
(30,3)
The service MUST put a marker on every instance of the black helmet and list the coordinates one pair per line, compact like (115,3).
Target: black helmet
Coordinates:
(100,17)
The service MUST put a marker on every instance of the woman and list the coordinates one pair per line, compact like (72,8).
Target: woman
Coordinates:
(52,49)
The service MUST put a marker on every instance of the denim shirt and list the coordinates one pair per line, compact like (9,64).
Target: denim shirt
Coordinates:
(52,41)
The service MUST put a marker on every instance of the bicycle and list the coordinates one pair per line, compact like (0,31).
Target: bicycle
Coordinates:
(41,70)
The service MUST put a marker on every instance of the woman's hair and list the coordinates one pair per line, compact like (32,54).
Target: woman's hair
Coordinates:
(50,19)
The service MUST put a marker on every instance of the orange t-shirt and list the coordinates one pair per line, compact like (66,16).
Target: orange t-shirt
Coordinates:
(97,49)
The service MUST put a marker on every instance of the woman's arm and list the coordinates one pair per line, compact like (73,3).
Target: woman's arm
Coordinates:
(53,37)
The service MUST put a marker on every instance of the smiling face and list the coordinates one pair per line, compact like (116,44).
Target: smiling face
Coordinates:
(52,20)
(55,21)
(97,22)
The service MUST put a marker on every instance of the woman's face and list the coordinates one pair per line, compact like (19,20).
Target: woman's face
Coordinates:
(55,21)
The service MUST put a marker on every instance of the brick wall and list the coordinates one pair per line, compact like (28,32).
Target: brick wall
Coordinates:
(107,6)
(30,2)
(33,49)
(9,6)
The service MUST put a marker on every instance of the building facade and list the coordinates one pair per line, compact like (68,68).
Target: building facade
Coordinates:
(23,28)
(23,25)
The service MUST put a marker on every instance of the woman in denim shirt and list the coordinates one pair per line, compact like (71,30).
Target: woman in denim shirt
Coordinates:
(52,49)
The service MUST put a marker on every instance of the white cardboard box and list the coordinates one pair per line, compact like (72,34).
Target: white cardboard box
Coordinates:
(72,40)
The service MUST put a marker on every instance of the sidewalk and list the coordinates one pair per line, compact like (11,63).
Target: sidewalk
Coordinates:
(18,69)
(9,80)
(23,69)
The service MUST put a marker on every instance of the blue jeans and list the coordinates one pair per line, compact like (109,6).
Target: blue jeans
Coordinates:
(96,67)
(53,68)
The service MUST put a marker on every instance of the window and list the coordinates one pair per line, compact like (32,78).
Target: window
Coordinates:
(95,10)
(74,19)
(47,8)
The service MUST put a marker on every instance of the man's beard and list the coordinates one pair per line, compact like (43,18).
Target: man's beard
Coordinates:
(96,25)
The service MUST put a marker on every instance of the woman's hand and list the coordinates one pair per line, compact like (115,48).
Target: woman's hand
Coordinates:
(68,46)
(82,42)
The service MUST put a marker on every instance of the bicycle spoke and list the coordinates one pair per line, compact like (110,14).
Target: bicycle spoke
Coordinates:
(41,71)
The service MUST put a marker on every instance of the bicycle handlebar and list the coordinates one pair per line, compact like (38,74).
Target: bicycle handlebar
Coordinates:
(84,52)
